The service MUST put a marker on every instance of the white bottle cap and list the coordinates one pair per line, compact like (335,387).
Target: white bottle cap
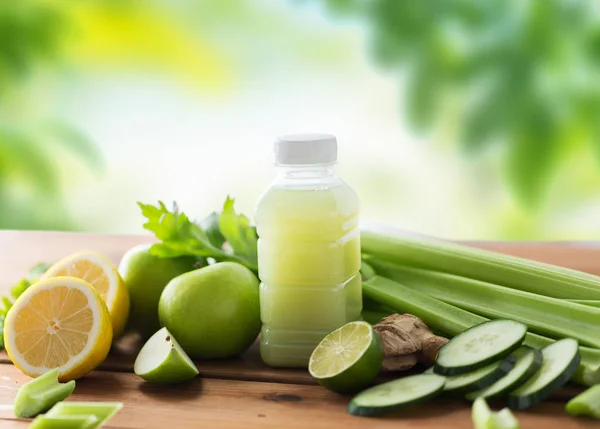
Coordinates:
(305,149)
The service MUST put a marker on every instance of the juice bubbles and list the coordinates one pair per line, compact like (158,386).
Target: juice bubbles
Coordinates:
(308,251)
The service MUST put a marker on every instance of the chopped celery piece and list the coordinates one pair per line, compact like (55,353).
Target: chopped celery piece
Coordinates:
(547,316)
(484,418)
(586,403)
(479,264)
(451,320)
(103,411)
(64,422)
(41,393)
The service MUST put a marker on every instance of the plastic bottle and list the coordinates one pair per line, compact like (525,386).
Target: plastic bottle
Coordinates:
(308,250)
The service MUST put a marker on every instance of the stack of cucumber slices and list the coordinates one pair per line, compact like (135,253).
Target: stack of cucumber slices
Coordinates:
(485,361)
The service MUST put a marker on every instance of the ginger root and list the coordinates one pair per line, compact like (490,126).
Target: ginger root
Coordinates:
(406,341)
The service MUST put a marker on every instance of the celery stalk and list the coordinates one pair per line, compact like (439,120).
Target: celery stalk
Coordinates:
(586,403)
(374,316)
(102,411)
(484,418)
(64,422)
(553,317)
(41,393)
(590,302)
(452,320)
(479,264)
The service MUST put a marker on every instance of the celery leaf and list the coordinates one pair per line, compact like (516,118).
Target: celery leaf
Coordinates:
(179,236)
(238,232)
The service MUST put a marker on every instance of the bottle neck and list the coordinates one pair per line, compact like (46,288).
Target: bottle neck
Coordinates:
(305,172)
(317,176)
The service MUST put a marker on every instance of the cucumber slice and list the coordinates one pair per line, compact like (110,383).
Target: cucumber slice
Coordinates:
(528,361)
(480,378)
(479,346)
(410,390)
(560,361)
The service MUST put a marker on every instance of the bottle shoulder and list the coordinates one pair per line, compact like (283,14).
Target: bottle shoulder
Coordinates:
(308,202)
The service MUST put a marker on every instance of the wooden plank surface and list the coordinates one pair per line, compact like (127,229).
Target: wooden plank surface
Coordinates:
(244,392)
(247,367)
(213,403)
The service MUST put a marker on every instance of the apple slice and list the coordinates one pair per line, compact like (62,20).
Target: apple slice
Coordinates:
(162,360)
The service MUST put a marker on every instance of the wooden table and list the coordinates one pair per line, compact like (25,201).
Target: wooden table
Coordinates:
(245,392)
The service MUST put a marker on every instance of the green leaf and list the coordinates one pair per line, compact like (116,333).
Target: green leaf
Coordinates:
(210,225)
(180,237)
(237,231)
(6,304)
(37,270)
(173,226)
(20,287)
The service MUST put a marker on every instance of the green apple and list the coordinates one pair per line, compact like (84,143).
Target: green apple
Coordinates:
(162,360)
(214,312)
(145,276)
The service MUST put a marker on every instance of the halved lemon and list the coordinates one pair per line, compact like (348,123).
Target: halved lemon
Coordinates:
(98,271)
(61,323)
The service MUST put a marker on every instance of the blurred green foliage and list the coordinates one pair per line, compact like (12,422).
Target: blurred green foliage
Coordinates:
(521,76)
(33,161)
(31,33)
(517,78)
(34,152)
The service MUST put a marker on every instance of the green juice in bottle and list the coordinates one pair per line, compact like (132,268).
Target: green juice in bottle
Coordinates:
(308,251)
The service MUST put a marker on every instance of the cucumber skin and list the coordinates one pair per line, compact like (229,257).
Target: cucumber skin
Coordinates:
(362,411)
(537,362)
(457,370)
(504,368)
(366,411)
(529,401)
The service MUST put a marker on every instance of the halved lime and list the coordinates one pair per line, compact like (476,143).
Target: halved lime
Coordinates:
(162,360)
(347,359)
